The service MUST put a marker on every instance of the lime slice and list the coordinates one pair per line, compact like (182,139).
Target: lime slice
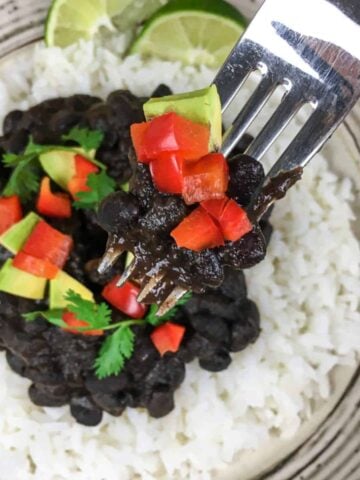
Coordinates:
(68,21)
(192,31)
(71,20)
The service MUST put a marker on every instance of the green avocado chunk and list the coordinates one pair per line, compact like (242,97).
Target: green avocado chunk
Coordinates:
(19,283)
(14,238)
(61,284)
(59,165)
(201,106)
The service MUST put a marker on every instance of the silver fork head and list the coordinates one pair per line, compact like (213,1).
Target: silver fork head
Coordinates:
(312,47)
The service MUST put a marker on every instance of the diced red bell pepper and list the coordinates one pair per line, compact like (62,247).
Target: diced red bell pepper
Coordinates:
(47,243)
(84,167)
(173,133)
(198,231)
(234,221)
(71,320)
(215,207)
(57,205)
(166,173)
(35,266)
(10,212)
(206,179)
(170,133)
(168,337)
(78,184)
(124,298)
(137,131)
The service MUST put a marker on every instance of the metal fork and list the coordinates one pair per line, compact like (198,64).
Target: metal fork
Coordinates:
(312,48)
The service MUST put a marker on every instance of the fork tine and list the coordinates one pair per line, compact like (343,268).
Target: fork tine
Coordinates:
(149,286)
(248,113)
(171,301)
(289,106)
(234,72)
(129,270)
(113,252)
(306,143)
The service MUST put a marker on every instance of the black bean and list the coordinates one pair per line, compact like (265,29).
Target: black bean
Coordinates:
(99,117)
(246,174)
(234,284)
(166,213)
(212,328)
(161,403)
(114,404)
(161,91)
(169,372)
(216,362)
(45,396)
(246,252)
(213,304)
(12,121)
(63,121)
(18,141)
(109,385)
(141,185)
(17,364)
(247,330)
(80,103)
(85,411)
(117,211)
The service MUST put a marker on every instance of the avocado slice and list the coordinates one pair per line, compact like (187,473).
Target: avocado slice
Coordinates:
(14,238)
(19,283)
(60,286)
(202,106)
(59,165)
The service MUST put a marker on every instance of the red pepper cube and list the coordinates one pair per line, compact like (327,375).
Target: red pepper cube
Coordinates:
(84,167)
(172,133)
(198,231)
(168,337)
(73,322)
(215,207)
(234,222)
(124,298)
(77,185)
(137,131)
(206,179)
(56,205)
(35,266)
(166,173)
(47,243)
(10,212)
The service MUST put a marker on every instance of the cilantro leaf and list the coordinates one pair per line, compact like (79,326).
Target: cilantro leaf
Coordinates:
(101,186)
(25,178)
(11,159)
(52,316)
(97,316)
(35,149)
(87,139)
(154,320)
(116,349)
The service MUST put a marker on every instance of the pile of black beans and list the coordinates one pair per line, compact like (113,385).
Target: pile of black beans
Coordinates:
(60,364)
(219,321)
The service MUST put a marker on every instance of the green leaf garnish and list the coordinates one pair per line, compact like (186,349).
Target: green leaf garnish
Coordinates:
(119,345)
(101,186)
(87,139)
(96,316)
(52,316)
(114,352)
(25,178)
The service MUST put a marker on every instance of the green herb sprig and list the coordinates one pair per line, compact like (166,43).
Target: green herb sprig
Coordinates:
(118,345)
(24,180)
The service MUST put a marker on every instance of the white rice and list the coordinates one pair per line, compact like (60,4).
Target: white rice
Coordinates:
(307,289)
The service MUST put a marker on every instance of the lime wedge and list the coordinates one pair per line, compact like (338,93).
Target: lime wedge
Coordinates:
(71,20)
(191,31)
